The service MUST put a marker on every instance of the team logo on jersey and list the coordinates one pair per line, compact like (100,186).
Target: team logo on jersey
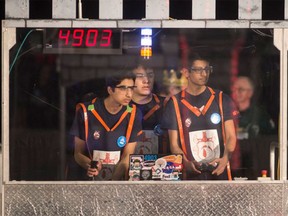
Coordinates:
(215,118)
(121,141)
(188,122)
(204,145)
(157,130)
(96,135)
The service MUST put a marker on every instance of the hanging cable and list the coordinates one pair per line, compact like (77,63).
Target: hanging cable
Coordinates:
(19,49)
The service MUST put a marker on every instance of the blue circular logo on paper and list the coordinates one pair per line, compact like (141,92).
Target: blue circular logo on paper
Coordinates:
(121,141)
(215,118)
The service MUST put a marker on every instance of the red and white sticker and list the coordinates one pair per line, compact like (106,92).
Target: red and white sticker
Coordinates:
(204,145)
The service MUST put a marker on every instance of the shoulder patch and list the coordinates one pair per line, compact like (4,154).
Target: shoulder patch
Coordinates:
(235,113)
(129,109)
(91,107)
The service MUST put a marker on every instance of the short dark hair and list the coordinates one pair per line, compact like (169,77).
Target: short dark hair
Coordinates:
(197,56)
(115,79)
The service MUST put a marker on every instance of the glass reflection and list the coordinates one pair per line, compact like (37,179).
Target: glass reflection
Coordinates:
(45,88)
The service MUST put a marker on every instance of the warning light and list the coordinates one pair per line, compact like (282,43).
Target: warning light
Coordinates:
(264,173)
(146,43)
(146,52)
(146,31)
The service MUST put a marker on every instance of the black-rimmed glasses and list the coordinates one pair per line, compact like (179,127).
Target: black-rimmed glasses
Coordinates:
(200,70)
(124,88)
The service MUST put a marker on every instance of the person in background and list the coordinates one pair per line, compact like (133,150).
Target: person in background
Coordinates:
(154,138)
(200,123)
(107,129)
(253,122)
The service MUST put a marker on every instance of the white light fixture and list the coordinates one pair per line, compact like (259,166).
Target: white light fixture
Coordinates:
(146,43)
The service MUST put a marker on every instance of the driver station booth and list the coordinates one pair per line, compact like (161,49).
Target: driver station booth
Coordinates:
(42,80)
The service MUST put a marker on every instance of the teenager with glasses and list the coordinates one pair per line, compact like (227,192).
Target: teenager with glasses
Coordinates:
(151,106)
(106,130)
(200,125)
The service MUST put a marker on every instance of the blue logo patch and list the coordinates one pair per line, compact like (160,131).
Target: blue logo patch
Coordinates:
(121,141)
(157,130)
(215,118)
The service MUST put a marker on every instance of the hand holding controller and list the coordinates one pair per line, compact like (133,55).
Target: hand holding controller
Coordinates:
(93,171)
(207,167)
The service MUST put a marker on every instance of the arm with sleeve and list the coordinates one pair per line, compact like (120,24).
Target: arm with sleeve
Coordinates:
(78,131)
(229,113)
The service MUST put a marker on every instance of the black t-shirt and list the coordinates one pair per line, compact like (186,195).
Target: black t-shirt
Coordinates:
(99,138)
(254,121)
(155,118)
(152,114)
(210,120)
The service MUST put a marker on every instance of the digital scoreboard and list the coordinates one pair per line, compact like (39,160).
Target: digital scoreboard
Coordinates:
(102,41)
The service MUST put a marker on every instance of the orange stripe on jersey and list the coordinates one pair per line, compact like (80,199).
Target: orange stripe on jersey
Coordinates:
(195,110)
(223,132)
(120,120)
(78,106)
(208,104)
(95,113)
(131,123)
(139,133)
(156,107)
(181,133)
(191,108)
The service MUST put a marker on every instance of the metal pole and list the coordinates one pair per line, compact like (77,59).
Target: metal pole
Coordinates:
(280,41)
(62,118)
(8,40)
(273,147)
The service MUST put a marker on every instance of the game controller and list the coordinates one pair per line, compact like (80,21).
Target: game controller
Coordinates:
(207,167)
